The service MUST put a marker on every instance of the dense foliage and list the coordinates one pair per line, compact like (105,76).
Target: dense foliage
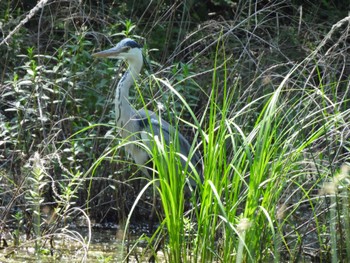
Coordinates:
(261,86)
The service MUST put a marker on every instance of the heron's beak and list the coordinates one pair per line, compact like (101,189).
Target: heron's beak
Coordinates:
(112,52)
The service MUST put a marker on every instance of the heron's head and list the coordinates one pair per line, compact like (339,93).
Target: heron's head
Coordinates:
(127,49)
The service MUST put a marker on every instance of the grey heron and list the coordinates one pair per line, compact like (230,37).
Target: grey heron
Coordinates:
(141,125)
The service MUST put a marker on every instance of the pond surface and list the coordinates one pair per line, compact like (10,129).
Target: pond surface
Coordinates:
(106,245)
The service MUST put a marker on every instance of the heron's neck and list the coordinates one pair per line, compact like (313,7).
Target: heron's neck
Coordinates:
(123,110)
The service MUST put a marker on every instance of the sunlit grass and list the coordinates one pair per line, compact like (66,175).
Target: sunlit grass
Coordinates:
(251,175)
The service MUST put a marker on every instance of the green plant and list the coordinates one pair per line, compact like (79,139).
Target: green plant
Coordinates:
(17,232)
(36,183)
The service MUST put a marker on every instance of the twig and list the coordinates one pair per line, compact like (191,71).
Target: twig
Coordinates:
(32,12)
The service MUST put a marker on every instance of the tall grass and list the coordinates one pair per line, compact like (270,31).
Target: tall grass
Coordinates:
(254,176)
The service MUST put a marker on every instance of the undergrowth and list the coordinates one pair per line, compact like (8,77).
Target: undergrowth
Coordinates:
(262,91)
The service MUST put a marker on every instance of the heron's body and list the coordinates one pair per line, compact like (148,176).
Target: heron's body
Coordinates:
(139,125)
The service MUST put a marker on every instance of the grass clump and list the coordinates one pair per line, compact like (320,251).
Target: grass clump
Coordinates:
(256,177)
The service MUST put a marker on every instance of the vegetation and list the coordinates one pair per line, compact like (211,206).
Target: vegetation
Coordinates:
(261,87)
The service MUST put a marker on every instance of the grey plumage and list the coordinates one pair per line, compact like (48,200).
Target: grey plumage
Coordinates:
(135,125)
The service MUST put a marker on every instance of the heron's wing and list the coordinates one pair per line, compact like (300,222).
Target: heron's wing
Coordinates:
(151,125)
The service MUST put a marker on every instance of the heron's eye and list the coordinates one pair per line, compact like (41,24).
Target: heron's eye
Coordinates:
(127,49)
